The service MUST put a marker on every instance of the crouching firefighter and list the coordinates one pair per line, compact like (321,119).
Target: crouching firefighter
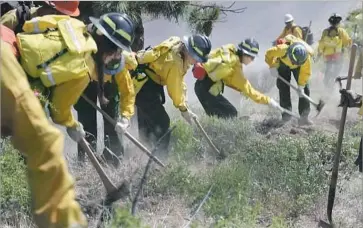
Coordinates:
(22,117)
(353,100)
(224,67)
(118,86)
(293,56)
(165,65)
(331,47)
(59,65)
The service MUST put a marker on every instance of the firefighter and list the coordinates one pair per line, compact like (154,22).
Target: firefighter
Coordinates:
(51,185)
(165,65)
(293,56)
(224,67)
(331,47)
(66,78)
(119,93)
(15,19)
(290,28)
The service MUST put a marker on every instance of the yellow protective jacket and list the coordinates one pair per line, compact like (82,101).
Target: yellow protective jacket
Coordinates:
(55,56)
(168,70)
(50,183)
(11,21)
(278,53)
(294,30)
(224,65)
(333,41)
(124,83)
(67,74)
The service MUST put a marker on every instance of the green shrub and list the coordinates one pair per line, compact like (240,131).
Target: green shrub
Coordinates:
(123,218)
(15,195)
(261,179)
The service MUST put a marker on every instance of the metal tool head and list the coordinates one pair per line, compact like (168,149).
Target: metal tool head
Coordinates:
(320,106)
(121,192)
(323,224)
(339,80)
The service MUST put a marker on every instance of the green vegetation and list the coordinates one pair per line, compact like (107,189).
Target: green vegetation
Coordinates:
(263,180)
(15,197)
(270,180)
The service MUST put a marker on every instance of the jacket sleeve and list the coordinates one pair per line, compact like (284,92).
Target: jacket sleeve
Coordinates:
(321,45)
(176,87)
(9,19)
(305,72)
(346,40)
(64,97)
(272,54)
(131,62)
(298,33)
(239,82)
(127,93)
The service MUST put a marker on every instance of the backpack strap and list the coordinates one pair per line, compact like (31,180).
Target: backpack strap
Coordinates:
(49,61)
(23,15)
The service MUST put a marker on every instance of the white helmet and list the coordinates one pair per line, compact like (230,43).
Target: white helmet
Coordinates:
(288,18)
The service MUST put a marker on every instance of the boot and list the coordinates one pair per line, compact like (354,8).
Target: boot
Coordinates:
(304,120)
(285,118)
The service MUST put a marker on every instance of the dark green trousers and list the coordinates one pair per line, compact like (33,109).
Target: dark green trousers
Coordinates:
(87,115)
(153,120)
(284,92)
(332,71)
(213,105)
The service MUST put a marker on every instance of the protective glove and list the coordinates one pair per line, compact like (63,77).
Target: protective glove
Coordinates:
(350,98)
(188,116)
(300,91)
(122,125)
(76,133)
(275,105)
(198,71)
(274,72)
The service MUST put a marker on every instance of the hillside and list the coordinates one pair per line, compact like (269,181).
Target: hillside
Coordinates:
(274,176)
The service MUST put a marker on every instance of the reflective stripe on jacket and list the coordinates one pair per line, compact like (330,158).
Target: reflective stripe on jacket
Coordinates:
(224,66)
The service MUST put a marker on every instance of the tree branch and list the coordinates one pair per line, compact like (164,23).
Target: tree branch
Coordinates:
(223,9)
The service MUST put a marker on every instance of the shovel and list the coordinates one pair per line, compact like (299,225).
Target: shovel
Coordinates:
(211,144)
(319,106)
(113,193)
